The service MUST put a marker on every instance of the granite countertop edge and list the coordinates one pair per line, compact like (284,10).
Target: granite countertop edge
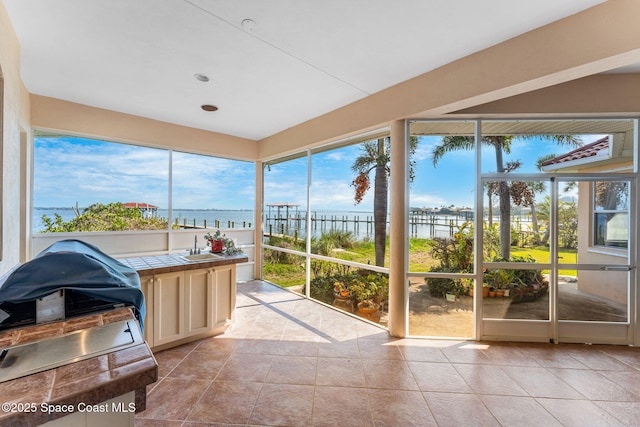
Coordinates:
(122,371)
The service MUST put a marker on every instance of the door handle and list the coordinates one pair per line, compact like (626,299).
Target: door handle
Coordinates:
(614,268)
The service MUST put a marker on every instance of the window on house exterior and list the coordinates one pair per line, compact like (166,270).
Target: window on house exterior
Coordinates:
(611,213)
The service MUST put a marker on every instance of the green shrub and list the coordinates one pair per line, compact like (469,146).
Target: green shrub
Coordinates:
(525,276)
(104,217)
(322,288)
(440,286)
(361,282)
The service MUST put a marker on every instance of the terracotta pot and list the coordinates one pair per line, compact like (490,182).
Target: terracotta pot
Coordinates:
(485,291)
(369,313)
(343,303)
(500,293)
(492,294)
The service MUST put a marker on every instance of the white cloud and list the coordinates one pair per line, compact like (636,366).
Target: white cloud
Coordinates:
(70,170)
(424,150)
(336,195)
(336,155)
(427,200)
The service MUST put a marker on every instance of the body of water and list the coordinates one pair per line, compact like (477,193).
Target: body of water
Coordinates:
(213,218)
(357,222)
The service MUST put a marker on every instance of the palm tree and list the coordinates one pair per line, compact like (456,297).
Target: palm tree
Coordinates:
(376,157)
(501,145)
(536,188)
(492,188)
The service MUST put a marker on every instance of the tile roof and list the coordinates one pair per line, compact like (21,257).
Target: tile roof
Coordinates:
(139,205)
(589,150)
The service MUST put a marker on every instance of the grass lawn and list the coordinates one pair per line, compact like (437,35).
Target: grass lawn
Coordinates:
(364,252)
(285,275)
(541,255)
(419,260)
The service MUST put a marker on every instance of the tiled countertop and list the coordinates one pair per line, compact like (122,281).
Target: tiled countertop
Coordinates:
(157,264)
(89,382)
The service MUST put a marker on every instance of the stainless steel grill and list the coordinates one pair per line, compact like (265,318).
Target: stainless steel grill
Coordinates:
(37,356)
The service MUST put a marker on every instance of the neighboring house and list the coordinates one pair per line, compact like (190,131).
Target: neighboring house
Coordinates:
(603,213)
(148,210)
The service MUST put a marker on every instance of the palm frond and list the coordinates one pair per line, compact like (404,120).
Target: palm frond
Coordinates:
(543,159)
(449,144)
(562,140)
(371,156)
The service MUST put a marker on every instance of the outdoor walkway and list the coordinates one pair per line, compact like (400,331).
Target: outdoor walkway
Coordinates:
(288,361)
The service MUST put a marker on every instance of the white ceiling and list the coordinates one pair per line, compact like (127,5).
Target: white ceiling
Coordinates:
(301,60)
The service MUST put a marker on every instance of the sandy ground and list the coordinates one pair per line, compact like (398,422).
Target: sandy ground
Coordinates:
(429,316)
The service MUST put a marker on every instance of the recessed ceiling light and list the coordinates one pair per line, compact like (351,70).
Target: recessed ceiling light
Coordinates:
(209,107)
(248,25)
(201,77)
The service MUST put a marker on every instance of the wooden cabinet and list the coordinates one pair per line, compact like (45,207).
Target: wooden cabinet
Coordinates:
(198,301)
(224,294)
(187,305)
(168,307)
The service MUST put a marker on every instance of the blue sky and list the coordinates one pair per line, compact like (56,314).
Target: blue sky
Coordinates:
(450,183)
(69,170)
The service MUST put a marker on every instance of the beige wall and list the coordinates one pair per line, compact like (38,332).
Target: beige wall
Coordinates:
(15,119)
(603,94)
(54,114)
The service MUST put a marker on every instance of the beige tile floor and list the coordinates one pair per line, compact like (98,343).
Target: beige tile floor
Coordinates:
(288,361)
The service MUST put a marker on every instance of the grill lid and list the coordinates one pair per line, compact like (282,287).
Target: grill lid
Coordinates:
(77,266)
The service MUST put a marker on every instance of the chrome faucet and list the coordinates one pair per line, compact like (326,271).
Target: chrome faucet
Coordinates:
(195,249)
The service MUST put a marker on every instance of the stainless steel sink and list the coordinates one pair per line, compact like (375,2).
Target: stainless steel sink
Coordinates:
(200,257)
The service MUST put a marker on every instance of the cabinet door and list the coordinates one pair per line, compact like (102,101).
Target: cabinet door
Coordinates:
(146,283)
(225,293)
(168,307)
(198,299)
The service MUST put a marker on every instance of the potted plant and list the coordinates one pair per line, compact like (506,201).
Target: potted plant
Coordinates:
(341,289)
(499,280)
(366,293)
(220,243)
(485,290)
(342,296)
